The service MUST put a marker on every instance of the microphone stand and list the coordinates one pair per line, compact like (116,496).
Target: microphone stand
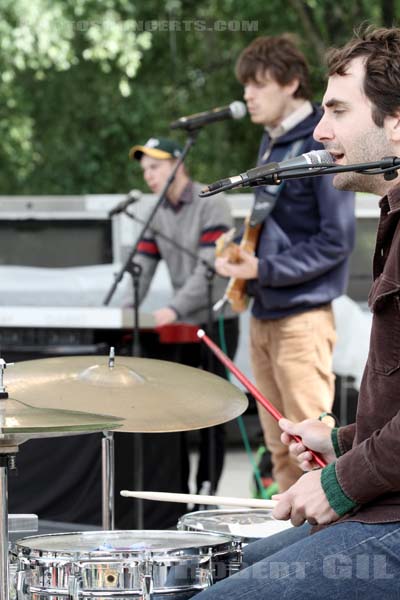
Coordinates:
(210,274)
(387,167)
(135,271)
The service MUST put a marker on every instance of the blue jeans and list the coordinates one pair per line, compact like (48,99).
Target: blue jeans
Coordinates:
(351,561)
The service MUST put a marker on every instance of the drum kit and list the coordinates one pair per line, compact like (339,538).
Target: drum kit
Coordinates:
(81,394)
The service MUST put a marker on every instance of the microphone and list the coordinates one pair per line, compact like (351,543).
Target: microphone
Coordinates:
(132,196)
(258,175)
(236,110)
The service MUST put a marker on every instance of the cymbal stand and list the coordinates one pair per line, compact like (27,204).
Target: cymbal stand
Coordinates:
(107,478)
(7,461)
(108,469)
(211,431)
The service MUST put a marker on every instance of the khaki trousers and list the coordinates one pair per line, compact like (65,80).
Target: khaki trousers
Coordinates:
(292,365)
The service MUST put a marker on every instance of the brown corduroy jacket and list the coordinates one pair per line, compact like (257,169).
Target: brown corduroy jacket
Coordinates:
(369,468)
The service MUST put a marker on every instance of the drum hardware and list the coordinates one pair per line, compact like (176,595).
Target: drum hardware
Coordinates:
(21,589)
(7,461)
(19,422)
(107,480)
(136,390)
(125,564)
(21,523)
(147,582)
(73,588)
(139,394)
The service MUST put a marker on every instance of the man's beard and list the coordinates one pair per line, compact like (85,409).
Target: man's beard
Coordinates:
(356,182)
(370,147)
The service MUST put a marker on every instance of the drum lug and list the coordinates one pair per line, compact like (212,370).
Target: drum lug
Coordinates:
(211,572)
(73,587)
(22,588)
(147,581)
(147,587)
(238,551)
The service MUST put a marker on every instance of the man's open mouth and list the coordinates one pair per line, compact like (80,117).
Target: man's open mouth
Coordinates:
(337,156)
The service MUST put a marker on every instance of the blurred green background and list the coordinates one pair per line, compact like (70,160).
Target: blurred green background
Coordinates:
(81,81)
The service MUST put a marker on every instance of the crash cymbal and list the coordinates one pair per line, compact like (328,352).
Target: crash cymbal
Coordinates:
(20,422)
(151,395)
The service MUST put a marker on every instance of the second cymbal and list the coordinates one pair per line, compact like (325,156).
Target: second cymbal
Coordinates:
(20,422)
(151,395)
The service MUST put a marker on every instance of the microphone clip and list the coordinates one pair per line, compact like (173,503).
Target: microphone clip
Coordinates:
(391,173)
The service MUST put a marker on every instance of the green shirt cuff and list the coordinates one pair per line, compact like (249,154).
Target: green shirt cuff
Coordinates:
(338,500)
(335,441)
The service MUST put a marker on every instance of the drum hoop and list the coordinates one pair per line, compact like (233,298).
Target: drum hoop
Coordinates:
(30,553)
(47,591)
(228,511)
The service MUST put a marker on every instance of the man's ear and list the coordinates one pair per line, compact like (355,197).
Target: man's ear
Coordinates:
(292,87)
(392,127)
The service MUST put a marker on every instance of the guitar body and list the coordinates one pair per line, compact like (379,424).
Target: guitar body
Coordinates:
(235,292)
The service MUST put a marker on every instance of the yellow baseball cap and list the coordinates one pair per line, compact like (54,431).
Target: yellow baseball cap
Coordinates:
(161,148)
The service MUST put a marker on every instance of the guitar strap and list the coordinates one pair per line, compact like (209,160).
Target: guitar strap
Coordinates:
(267,196)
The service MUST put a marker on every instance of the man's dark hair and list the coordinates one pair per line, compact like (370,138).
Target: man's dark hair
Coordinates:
(380,49)
(279,56)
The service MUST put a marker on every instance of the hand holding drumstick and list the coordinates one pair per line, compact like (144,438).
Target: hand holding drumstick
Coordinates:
(306,499)
(313,434)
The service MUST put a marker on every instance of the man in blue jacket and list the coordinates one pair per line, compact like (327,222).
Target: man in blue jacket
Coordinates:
(301,261)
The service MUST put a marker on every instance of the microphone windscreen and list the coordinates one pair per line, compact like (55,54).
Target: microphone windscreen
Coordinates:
(238,109)
(316,157)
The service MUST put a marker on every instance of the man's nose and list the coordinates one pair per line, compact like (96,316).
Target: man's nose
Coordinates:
(323,131)
(248,92)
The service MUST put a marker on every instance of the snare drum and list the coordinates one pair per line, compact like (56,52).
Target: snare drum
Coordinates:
(115,564)
(246,525)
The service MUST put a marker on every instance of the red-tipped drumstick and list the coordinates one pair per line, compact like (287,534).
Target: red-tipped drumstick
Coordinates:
(251,388)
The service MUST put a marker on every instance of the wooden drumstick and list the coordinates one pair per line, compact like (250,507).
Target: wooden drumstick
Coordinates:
(200,499)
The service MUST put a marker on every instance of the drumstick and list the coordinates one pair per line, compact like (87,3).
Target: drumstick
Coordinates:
(200,499)
(252,388)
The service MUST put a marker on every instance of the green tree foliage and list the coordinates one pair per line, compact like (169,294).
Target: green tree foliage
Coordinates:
(65,70)
(83,80)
